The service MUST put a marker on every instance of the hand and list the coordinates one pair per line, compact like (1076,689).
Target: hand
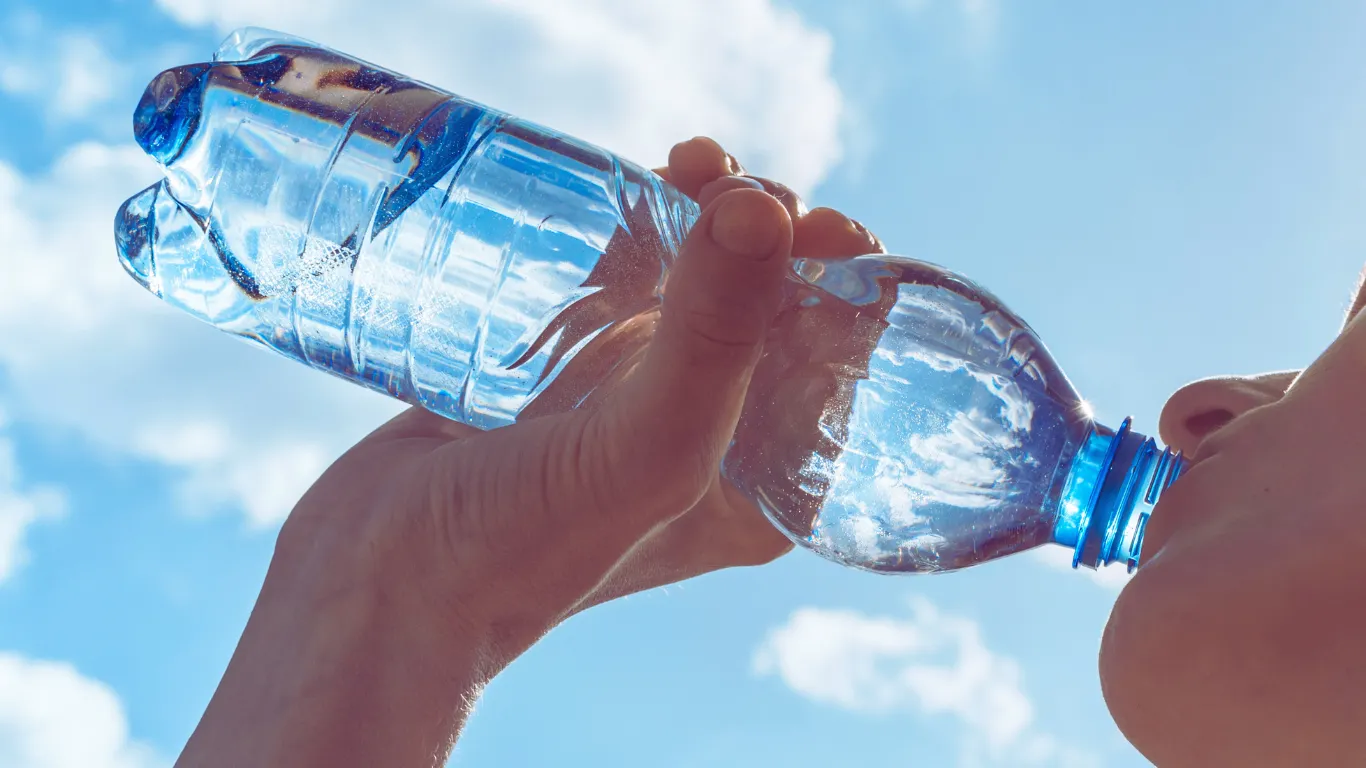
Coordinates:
(431,555)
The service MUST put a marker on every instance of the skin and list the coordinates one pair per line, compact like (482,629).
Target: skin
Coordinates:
(431,555)
(1239,641)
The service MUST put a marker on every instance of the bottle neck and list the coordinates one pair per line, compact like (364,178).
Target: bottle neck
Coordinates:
(1115,480)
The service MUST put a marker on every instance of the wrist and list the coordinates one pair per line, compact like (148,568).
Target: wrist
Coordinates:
(356,674)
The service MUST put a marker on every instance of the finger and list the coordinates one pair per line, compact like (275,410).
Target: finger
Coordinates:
(715,188)
(796,208)
(663,435)
(827,233)
(695,162)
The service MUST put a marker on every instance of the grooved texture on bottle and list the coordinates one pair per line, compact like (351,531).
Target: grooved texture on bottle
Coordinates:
(904,420)
(392,233)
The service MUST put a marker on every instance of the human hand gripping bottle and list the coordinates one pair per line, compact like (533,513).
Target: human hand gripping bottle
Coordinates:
(901,419)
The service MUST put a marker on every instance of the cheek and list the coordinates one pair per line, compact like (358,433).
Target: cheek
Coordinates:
(1232,631)
(1167,663)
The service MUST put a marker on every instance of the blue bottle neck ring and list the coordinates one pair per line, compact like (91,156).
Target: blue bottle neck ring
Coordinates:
(1115,480)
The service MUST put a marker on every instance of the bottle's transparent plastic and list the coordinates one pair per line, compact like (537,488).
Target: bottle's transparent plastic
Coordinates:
(901,419)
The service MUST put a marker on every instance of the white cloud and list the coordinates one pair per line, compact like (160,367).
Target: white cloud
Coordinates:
(20,508)
(982,15)
(85,348)
(69,71)
(1112,577)
(633,77)
(264,483)
(979,17)
(932,663)
(53,717)
(87,76)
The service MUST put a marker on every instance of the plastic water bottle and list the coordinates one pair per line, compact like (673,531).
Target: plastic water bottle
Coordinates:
(901,419)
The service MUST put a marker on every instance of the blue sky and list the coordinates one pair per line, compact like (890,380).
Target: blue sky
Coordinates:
(1166,191)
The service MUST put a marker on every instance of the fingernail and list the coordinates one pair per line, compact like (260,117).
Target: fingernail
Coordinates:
(872,238)
(744,224)
(720,186)
(794,205)
(866,233)
(733,165)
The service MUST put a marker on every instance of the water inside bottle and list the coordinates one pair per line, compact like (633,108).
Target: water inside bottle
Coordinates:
(392,233)
(388,232)
(904,420)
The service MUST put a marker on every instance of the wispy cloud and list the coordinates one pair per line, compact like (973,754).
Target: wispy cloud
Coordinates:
(68,71)
(633,77)
(980,18)
(86,349)
(932,663)
(20,508)
(51,716)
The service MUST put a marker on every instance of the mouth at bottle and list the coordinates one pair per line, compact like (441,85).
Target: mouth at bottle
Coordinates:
(168,113)
(1108,500)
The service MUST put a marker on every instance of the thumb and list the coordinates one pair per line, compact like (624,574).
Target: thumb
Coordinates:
(660,438)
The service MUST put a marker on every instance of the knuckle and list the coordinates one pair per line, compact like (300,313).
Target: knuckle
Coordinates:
(640,467)
(716,326)
(790,199)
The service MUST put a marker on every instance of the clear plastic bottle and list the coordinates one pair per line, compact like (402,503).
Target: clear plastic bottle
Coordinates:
(488,269)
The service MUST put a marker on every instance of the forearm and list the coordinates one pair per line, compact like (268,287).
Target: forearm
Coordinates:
(340,680)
